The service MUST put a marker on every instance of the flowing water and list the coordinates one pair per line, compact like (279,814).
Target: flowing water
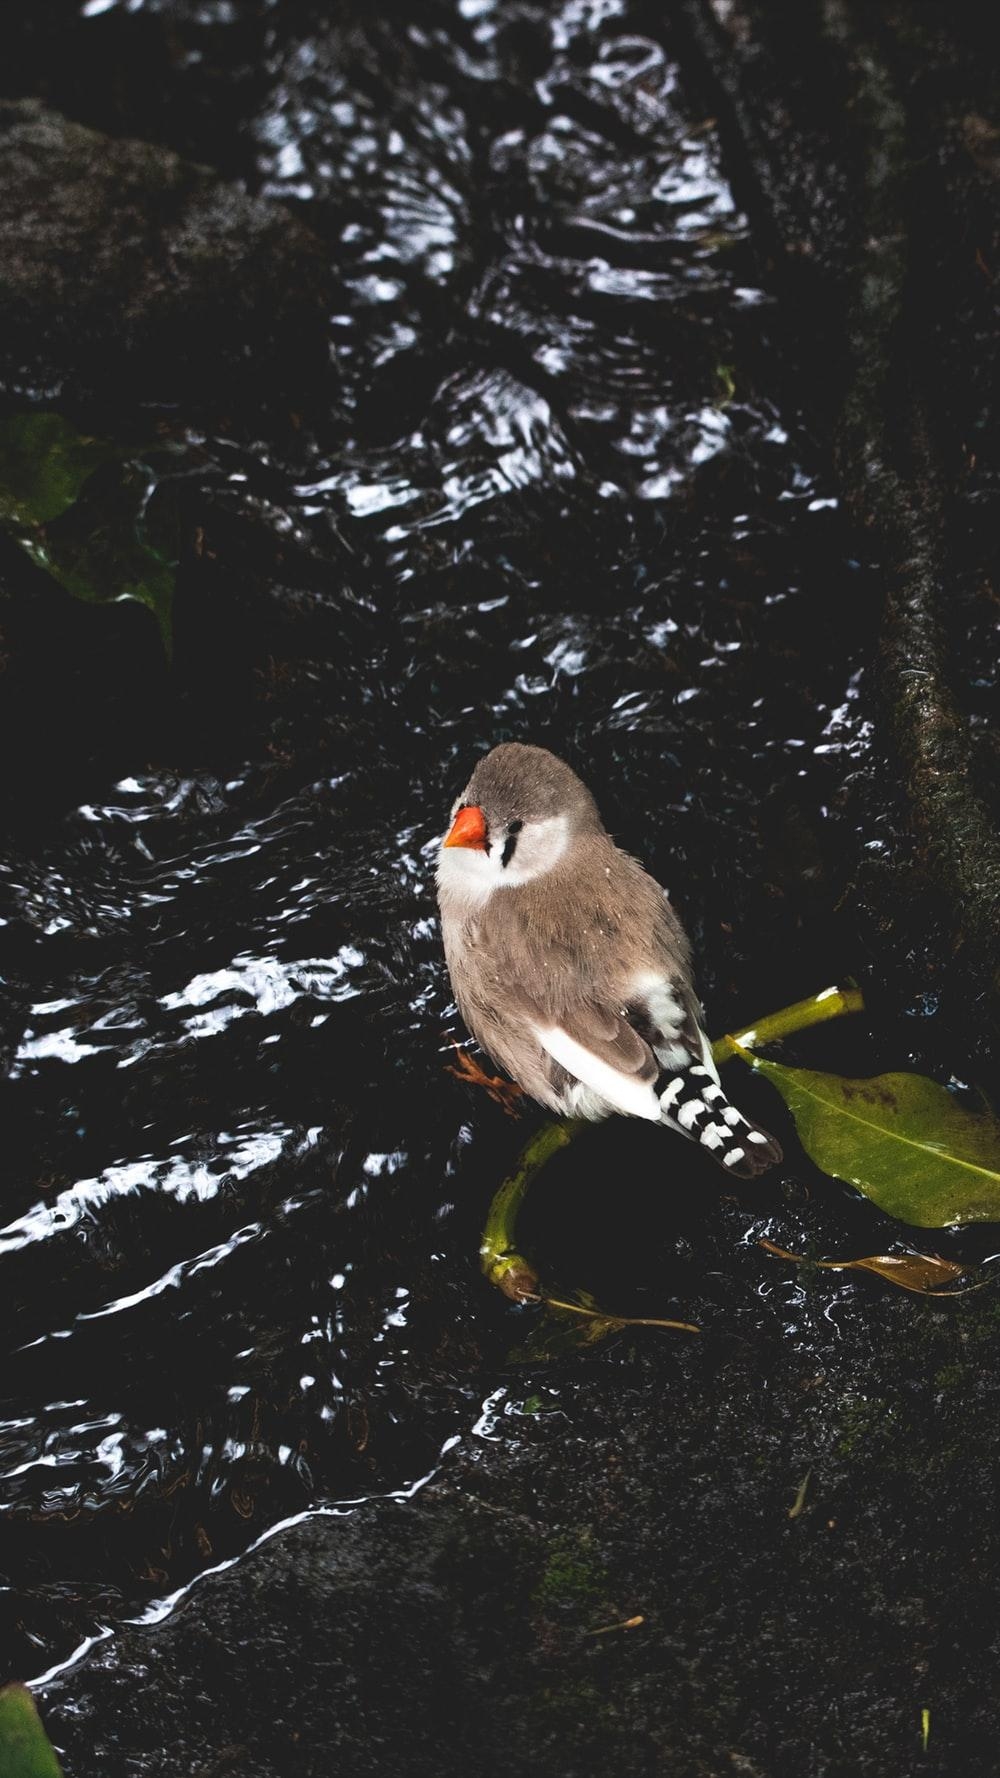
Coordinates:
(568,495)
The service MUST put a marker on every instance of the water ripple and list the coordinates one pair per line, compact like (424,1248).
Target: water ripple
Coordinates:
(567,495)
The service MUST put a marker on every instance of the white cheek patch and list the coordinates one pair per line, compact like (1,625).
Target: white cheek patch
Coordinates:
(540,845)
(633,1097)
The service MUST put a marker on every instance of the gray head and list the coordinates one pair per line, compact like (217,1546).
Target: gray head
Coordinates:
(518,815)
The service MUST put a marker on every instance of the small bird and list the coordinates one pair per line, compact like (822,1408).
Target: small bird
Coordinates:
(569,965)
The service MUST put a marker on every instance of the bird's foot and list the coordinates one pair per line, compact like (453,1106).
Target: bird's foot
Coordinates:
(506,1094)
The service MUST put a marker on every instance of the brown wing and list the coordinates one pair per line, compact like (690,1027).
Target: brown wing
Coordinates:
(612,1038)
(594,1047)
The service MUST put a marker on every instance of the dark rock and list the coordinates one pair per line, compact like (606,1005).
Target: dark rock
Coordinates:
(127,274)
(622,1585)
(187,76)
(338,1645)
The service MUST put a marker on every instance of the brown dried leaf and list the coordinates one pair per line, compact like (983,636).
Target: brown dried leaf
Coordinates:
(924,1273)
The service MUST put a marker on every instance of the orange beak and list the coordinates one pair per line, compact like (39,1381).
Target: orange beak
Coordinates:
(468,829)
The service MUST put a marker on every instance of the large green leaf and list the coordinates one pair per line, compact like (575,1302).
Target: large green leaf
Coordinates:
(25,1749)
(904,1141)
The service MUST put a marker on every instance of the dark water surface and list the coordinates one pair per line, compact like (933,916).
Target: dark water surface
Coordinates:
(569,496)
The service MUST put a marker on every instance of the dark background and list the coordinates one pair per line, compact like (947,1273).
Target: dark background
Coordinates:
(600,375)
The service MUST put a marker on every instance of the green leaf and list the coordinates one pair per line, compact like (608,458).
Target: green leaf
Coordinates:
(533,1404)
(904,1141)
(100,552)
(25,1749)
(89,532)
(44,463)
(726,380)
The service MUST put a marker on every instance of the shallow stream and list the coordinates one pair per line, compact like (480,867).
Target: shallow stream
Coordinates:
(569,495)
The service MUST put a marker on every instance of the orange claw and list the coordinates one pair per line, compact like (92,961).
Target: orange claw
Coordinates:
(504,1092)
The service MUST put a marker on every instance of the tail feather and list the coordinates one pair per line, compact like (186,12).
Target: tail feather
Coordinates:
(693,1102)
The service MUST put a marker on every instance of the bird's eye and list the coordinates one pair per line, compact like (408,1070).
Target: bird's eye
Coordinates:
(510,843)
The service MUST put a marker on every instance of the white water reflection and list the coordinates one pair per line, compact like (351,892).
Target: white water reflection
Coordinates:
(212,1001)
(175,1276)
(266,985)
(171,1176)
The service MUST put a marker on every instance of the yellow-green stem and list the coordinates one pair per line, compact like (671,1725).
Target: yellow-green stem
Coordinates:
(832,1003)
(502,1265)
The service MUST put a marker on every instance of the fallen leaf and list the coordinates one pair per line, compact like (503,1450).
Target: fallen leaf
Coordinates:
(628,1623)
(100,552)
(726,381)
(922,1272)
(904,1141)
(795,1509)
(25,1749)
(90,532)
(617,1321)
(571,1326)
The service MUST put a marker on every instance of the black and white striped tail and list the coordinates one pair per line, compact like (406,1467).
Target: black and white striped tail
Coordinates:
(694,1103)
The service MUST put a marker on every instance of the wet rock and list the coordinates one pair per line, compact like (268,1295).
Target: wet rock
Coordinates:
(355,1644)
(128,274)
(618,1584)
(185,75)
